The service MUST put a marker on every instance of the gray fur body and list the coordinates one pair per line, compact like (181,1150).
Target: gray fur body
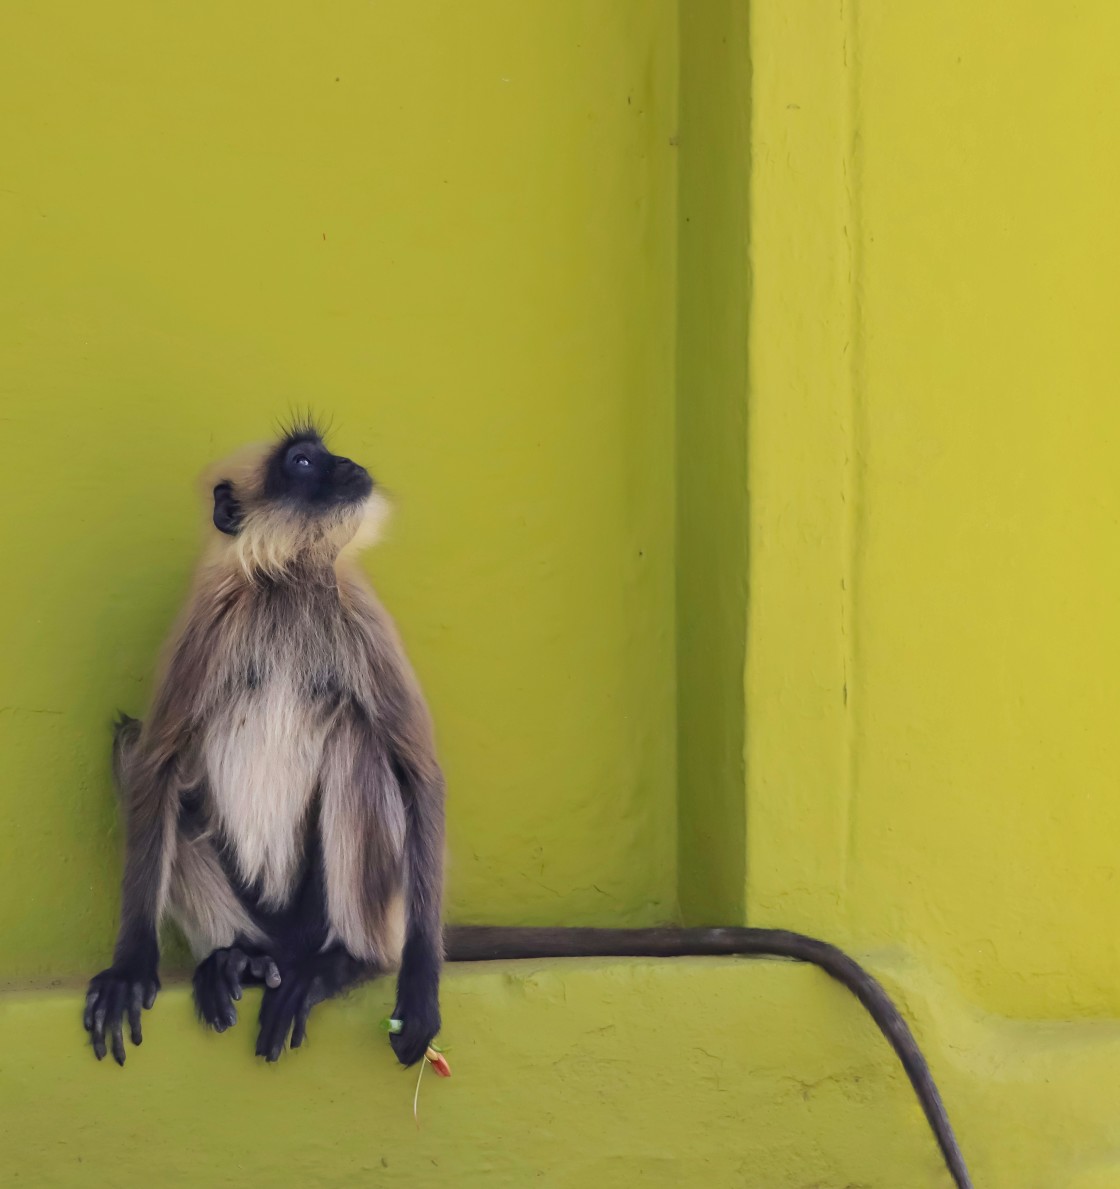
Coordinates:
(289,711)
(282,798)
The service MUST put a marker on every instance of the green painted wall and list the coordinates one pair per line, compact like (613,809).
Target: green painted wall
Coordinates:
(863,569)
(990,423)
(712,322)
(568,1075)
(453,230)
(933,647)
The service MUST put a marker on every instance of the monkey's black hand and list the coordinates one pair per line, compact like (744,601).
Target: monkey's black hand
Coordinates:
(121,990)
(418,1012)
(219,979)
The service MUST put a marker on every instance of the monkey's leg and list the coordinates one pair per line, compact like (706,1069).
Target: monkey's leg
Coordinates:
(218,982)
(304,982)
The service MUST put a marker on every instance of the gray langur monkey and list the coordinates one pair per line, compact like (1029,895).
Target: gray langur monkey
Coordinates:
(283,801)
(285,807)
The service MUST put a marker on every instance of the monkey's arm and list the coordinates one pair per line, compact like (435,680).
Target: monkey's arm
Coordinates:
(390,701)
(132,981)
(146,761)
(381,825)
(418,981)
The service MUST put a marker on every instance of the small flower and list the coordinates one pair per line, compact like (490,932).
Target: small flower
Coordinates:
(439,1062)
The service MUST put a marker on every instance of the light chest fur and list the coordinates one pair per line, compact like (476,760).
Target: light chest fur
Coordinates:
(262,749)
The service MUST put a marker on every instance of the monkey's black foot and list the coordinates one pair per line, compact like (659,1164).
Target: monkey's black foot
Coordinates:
(113,994)
(219,979)
(285,1009)
(304,982)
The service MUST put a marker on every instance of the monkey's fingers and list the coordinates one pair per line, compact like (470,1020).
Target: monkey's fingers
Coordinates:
(115,996)
(91,1003)
(299,1028)
(115,1020)
(277,1016)
(270,1001)
(316,993)
(420,1023)
(135,1001)
(224,1014)
(235,963)
(221,992)
(97,1028)
(281,1027)
(264,968)
(211,993)
(216,1005)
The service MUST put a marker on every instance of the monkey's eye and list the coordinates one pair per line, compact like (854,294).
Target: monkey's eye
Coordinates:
(302,462)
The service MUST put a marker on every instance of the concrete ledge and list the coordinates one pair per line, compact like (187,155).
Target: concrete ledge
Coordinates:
(586,1074)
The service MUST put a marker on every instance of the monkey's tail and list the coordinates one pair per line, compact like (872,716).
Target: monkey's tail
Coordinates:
(483,943)
(126,731)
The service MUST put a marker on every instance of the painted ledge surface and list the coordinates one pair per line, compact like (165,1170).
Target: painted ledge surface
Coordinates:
(578,1073)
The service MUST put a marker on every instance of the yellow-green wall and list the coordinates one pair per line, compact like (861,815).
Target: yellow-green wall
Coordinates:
(450,228)
(934,647)
(744,375)
(712,535)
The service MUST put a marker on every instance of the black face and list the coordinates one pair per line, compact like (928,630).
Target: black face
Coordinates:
(304,472)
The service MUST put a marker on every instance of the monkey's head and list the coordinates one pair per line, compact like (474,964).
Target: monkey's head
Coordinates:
(294,500)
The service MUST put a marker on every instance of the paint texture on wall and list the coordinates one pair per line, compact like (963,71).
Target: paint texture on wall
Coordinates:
(933,654)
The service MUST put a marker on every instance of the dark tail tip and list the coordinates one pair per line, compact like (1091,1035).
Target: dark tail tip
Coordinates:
(126,732)
(125,729)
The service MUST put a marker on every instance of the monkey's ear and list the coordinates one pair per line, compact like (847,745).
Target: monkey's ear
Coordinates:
(227,511)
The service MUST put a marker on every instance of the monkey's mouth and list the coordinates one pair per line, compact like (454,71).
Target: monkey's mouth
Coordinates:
(350,483)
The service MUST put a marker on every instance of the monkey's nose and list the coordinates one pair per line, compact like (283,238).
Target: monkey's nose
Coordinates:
(347,468)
